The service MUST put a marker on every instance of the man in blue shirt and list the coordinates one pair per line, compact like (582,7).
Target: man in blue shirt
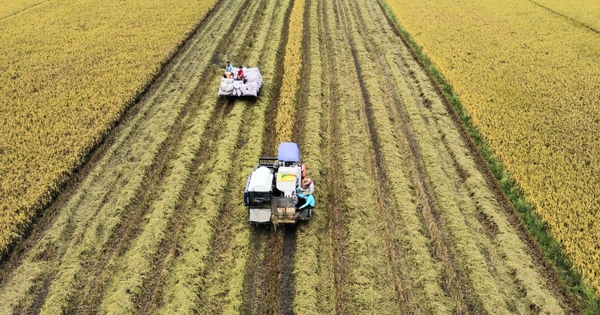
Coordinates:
(305,200)
(228,67)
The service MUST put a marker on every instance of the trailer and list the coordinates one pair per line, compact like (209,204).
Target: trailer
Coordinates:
(249,85)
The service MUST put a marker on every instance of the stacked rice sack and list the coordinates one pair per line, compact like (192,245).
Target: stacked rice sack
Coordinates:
(238,88)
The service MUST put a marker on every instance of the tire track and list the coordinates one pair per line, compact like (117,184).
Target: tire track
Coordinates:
(456,283)
(30,7)
(264,292)
(379,173)
(575,21)
(151,286)
(333,195)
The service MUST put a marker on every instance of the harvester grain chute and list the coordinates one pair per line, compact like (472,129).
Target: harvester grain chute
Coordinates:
(249,85)
(272,191)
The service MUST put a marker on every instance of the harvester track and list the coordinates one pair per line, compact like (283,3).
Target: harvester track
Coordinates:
(454,283)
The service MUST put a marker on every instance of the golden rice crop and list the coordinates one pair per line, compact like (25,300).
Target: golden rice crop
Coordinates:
(67,72)
(530,79)
(582,11)
(291,73)
(10,8)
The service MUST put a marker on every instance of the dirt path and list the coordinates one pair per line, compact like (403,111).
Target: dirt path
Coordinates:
(408,220)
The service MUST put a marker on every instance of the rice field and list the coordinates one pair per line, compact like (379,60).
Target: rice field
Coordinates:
(409,220)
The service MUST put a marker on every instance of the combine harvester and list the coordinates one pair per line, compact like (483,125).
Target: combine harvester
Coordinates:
(272,189)
(249,86)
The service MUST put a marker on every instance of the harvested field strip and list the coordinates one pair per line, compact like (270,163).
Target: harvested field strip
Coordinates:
(369,283)
(394,134)
(205,208)
(155,285)
(380,177)
(104,168)
(476,193)
(313,269)
(156,119)
(144,255)
(394,144)
(216,282)
(540,140)
(144,258)
(277,296)
(334,262)
(261,283)
(156,239)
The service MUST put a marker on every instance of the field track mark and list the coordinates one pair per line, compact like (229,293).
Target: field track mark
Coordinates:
(591,28)
(30,7)
(401,294)
(253,280)
(19,251)
(455,283)
(96,292)
(267,296)
(286,289)
(554,282)
(151,286)
(273,263)
(287,282)
(334,192)
(221,238)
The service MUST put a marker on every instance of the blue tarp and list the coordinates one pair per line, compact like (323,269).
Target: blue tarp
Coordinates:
(288,152)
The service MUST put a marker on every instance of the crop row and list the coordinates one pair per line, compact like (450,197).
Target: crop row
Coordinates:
(308,277)
(203,278)
(530,83)
(292,63)
(69,72)
(179,199)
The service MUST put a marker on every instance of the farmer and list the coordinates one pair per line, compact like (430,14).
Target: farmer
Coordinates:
(228,71)
(240,73)
(305,201)
(307,187)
